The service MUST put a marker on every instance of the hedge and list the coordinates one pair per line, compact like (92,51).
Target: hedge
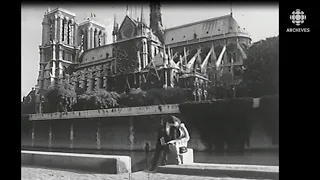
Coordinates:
(138,97)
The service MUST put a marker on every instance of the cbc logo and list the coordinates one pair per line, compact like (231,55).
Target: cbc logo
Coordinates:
(298,17)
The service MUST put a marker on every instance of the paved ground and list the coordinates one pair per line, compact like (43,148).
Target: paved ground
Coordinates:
(28,173)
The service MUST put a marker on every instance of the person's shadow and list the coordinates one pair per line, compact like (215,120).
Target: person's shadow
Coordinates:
(144,164)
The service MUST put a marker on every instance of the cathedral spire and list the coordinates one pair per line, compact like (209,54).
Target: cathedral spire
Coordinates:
(127,11)
(156,20)
(115,28)
(142,18)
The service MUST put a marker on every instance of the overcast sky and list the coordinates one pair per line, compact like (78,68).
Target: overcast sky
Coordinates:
(260,21)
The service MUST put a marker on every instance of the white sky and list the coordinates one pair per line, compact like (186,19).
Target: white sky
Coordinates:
(260,21)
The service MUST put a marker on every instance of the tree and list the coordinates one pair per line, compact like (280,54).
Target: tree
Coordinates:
(261,75)
(60,98)
(97,99)
(28,103)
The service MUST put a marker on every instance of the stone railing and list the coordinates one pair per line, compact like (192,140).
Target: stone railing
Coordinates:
(114,112)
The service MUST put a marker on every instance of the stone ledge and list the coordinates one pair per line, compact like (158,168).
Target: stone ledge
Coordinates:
(223,170)
(84,162)
(114,112)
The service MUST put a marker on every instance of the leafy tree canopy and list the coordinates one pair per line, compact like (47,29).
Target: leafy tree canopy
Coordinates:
(97,99)
(261,75)
(62,97)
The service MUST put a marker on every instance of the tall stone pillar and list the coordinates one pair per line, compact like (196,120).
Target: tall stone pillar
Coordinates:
(92,37)
(98,83)
(152,50)
(60,28)
(75,33)
(41,72)
(46,80)
(105,38)
(45,29)
(105,82)
(144,52)
(42,60)
(89,84)
(55,28)
(66,30)
(53,51)
(96,38)
(102,38)
(165,78)
(72,32)
(88,39)
(60,53)
(60,69)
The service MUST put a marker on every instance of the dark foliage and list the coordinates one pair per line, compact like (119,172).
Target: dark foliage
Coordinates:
(60,98)
(228,122)
(97,99)
(269,114)
(28,104)
(138,97)
(135,97)
(261,75)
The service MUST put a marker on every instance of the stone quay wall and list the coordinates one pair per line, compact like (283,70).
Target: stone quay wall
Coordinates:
(110,129)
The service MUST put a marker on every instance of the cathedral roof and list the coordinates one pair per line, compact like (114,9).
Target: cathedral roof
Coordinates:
(202,29)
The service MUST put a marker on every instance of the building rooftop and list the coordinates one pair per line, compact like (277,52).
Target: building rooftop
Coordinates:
(90,21)
(202,29)
(62,10)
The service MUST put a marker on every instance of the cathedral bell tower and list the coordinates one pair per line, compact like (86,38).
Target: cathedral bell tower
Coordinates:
(91,34)
(59,46)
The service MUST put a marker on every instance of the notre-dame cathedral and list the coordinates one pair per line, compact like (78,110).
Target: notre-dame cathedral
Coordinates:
(140,55)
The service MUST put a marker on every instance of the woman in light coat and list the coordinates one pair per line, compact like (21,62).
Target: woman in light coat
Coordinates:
(179,145)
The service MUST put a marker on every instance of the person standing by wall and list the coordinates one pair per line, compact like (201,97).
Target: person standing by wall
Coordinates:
(179,144)
(161,146)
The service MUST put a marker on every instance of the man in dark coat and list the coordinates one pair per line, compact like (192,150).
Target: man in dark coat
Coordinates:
(166,133)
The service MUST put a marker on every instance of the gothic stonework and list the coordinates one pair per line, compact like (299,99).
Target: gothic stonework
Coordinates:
(139,51)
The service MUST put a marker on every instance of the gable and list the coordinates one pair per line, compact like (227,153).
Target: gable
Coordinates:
(127,29)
